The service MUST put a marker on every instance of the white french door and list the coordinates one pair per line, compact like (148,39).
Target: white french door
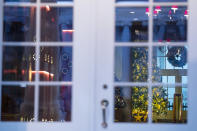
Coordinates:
(46,65)
(97,65)
(146,62)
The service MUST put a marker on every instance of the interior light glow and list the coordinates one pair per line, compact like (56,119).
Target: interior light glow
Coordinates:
(67,31)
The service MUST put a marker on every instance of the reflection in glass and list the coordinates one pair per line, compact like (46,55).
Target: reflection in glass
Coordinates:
(170,23)
(170,64)
(55,63)
(55,103)
(131,64)
(169,104)
(170,0)
(19,0)
(132,24)
(130,0)
(17,103)
(131,104)
(57,1)
(18,63)
(19,24)
(56,24)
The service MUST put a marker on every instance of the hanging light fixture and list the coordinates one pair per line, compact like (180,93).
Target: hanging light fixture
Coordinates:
(158,9)
(174,8)
(186,14)
(147,11)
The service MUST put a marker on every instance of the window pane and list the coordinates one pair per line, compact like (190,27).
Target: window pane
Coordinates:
(19,0)
(132,24)
(18,63)
(131,64)
(17,103)
(19,24)
(170,0)
(55,103)
(56,64)
(57,1)
(170,24)
(169,104)
(130,0)
(131,104)
(56,24)
(170,64)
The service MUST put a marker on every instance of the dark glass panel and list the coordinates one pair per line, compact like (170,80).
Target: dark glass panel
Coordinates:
(17,103)
(18,63)
(131,104)
(55,103)
(56,24)
(19,24)
(55,63)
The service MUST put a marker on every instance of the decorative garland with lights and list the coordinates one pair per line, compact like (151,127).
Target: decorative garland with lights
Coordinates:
(177,56)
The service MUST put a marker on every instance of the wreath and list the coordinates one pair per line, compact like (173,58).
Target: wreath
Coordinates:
(177,56)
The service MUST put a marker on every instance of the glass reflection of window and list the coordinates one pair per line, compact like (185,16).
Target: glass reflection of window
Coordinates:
(18,103)
(166,72)
(131,64)
(57,20)
(19,0)
(18,63)
(131,24)
(19,24)
(170,0)
(170,23)
(55,103)
(169,104)
(131,0)
(55,63)
(57,1)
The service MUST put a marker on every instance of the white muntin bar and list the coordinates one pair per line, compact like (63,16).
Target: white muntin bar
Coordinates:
(1,50)
(142,4)
(36,90)
(30,4)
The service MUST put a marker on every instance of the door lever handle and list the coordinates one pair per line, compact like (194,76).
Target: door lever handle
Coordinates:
(104,104)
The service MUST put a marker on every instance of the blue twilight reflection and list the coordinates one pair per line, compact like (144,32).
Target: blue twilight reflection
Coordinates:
(130,0)
(132,24)
(170,0)
(170,23)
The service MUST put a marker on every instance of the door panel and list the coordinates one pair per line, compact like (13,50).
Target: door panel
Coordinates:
(44,58)
(142,51)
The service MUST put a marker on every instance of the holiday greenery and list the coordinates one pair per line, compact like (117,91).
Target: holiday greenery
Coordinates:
(139,95)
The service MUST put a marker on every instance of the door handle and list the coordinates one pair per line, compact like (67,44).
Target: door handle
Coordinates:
(104,104)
